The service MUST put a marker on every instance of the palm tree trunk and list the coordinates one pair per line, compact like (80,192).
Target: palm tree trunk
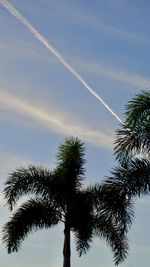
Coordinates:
(66,249)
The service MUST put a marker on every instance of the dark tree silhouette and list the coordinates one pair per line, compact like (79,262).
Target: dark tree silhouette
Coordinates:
(59,196)
(132,149)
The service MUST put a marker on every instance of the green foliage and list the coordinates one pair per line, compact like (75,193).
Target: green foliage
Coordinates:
(133,137)
(138,112)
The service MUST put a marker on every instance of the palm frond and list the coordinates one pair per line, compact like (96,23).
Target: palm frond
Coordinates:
(33,180)
(138,111)
(115,238)
(113,204)
(71,162)
(133,137)
(113,215)
(83,241)
(132,179)
(127,144)
(130,143)
(32,215)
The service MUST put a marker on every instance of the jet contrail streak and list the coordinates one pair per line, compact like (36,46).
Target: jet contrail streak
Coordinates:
(43,40)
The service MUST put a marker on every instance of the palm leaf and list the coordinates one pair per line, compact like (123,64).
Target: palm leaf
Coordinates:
(115,238)
(127,144)
(113,217)
(132,179)
(133,137)
(113,204)
(32,215)
(33,180)
(71,163)
(138,111)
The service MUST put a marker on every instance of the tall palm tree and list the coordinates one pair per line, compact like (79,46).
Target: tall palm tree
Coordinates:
(60,196)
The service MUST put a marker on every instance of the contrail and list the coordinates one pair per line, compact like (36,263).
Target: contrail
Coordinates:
(43,40)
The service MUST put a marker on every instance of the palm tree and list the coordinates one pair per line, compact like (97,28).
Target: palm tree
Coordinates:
(132,149)
(60,196)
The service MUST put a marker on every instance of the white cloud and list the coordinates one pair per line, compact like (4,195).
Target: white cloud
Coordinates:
(52,121)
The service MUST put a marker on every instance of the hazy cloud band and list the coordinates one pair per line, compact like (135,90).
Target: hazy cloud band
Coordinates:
(51,121)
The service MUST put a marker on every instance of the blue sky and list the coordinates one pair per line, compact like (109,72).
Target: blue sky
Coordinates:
(41,103)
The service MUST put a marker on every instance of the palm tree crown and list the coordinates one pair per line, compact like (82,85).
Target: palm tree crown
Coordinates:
(60,196)
(132,149)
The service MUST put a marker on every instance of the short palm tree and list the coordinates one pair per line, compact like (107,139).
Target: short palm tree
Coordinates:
(59,196)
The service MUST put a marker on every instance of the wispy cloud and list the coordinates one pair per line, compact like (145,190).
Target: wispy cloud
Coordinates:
(73,14)
(112,30)
(16,48)
(52,121)
(114,74)
(24,49)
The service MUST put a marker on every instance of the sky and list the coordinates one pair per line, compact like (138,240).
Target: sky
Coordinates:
(41,103)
